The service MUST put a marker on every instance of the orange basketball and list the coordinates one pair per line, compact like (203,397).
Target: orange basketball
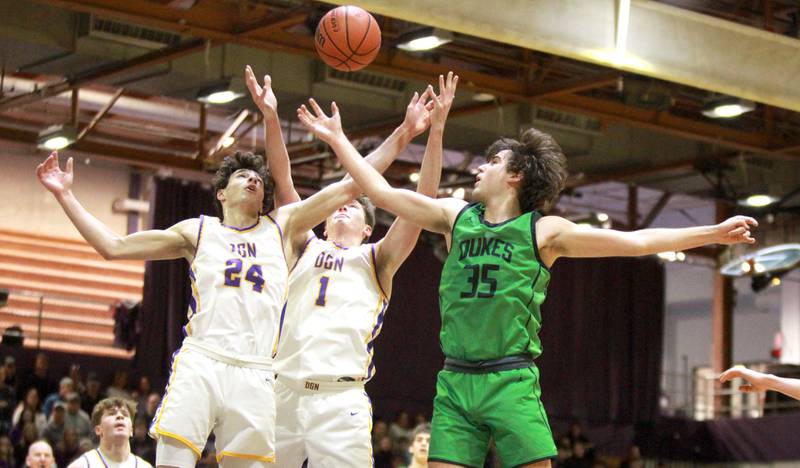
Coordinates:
(348,38)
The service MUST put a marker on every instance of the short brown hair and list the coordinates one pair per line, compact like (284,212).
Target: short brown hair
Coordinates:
(542,164)
(112,403)
(369,210)
(424,428)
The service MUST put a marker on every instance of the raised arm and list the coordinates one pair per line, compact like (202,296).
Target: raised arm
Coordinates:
(558,237)
(398,243)
(178,241)
(433,215)
(415,122)
(280,169)
(759,382)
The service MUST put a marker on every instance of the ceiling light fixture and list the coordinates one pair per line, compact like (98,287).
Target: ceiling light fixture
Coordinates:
(758,200)
(783,257)
(424,39)
(220,93)
(57,137)
(726,108)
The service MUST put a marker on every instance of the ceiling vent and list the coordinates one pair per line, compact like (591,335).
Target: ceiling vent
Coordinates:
(566,121)
(364,81)
(125,33)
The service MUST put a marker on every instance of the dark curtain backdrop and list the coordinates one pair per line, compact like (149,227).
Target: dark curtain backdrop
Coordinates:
(602,335)
(166,283)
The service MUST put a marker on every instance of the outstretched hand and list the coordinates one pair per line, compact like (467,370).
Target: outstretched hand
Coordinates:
(736,230)
(323,127)
(52,177)
(443,101)
(418,116)
(756,381)
(263,96)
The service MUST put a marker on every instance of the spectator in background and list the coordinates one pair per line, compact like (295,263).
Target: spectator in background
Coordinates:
(579,458)
(12,379)
(77,419)
(65,387)
(7,402)
(92,395)
(420,440)
(153,400)
(40,378)
(32,404)
(384,455)
(40,455)
(113,424)
(142,393)
(7,453)
(576,435)
(119,386)
(379,430)
(634,459)
(54,431)
(29,436)
(68,448)
(400,428)
(141,444)
(77,380)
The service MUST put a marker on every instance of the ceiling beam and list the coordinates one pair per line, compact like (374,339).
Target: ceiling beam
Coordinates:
(655,211)
(275,24)
(403,65)
(99,116)
(107,71)
(133,156)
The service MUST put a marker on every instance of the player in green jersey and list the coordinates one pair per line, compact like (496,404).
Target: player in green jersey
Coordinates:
(493,282)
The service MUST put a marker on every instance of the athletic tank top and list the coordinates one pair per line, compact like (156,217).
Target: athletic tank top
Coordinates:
(492,285)
(94,459)
(334,313)
(239,281)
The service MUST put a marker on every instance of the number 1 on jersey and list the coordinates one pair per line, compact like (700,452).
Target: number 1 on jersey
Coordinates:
(323,288)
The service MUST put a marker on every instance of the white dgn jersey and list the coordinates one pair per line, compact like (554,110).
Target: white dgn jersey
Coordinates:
(334,313)
(239,280)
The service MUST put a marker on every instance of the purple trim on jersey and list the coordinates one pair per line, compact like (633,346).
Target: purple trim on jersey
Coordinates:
(193,304)
(375,331)
(302,251)
(375,270)
(258,220)
(280,233)
(280,329)
(199,235)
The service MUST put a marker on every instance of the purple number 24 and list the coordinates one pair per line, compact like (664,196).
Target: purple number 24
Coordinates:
(253,275)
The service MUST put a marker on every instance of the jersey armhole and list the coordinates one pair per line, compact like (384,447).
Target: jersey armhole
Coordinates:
(455,222)
(199,236)
(535,216)
(374,264)
(300,254)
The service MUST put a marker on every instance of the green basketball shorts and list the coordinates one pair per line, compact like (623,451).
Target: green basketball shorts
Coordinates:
(506,405)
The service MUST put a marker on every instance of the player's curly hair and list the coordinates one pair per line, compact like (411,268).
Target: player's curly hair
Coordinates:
(542,164)
(235,162)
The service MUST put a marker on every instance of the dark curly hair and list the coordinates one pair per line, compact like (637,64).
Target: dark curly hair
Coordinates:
(542,164)
(235,162)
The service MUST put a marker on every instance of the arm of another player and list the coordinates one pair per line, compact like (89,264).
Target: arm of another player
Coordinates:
(559,237)
(176,242)
(398,243)
(280,169)
(433,215)
(759,382)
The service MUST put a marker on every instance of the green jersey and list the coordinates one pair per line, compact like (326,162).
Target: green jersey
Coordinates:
(493,283)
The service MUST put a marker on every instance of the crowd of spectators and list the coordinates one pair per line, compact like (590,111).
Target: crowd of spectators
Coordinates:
(36,405)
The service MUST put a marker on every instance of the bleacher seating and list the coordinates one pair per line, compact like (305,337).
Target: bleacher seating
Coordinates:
(73,284)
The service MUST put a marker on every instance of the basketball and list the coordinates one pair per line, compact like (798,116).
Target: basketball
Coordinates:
(347,38)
